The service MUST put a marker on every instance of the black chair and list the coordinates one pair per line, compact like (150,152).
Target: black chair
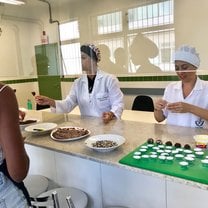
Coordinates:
(41,107)
(143,103)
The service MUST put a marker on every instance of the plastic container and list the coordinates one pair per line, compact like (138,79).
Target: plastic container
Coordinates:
(179,156)
(205,162)
(184,164)
(189,159)
(199,154)
(201,140)
(44,38)
(137,157)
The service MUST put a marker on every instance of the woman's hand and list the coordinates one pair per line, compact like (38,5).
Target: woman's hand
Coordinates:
(178,107)
(108,116)
(43,100)
(21,115)
(160,104)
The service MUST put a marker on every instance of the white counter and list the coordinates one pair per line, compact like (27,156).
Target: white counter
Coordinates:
(106,181)
(130,115)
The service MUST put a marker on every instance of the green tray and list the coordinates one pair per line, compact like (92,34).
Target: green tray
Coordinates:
(195,171)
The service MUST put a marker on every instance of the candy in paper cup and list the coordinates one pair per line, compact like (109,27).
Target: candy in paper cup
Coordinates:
(201,140)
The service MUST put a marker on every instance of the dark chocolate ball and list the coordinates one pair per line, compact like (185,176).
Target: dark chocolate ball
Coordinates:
(187,146)
(169,143)
(177,145)
(150,141)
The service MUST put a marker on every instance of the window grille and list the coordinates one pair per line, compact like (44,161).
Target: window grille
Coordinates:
(70,48)
(109,23)
(152,18)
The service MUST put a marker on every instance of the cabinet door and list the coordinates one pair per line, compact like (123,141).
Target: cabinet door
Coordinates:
(48,71)
(185,195)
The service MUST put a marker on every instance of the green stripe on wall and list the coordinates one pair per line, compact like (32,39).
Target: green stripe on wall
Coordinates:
(148,78)
(16,81)
(135,78)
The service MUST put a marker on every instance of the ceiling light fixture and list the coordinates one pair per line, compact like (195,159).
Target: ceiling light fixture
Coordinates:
(15,2)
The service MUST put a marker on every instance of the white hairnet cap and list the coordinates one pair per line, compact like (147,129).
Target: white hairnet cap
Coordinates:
(188,54)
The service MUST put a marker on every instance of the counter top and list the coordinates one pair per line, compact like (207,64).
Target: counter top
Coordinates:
(131,115)
(135,132)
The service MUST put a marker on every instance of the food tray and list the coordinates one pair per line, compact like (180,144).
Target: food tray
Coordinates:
(196,170)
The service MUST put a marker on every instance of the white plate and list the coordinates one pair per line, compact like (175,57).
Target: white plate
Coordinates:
(111,137)
(40,128)
(71,138)
(22,126)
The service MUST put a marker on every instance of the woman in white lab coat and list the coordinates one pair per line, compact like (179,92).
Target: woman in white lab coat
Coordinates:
(96,93)
(185,102)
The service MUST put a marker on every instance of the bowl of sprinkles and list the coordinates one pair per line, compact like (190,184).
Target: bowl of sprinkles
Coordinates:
(104,142)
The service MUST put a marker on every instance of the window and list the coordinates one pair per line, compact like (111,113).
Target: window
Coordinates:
(154,19)
(70,48)
(150,15)
(69,30)
(109,23)
(165,41)
(71,59)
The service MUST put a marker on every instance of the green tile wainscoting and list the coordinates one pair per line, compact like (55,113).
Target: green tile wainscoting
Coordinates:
(19,81)
(132,91)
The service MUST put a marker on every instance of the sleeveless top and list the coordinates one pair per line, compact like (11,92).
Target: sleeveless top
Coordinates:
(1,152)
(12,194)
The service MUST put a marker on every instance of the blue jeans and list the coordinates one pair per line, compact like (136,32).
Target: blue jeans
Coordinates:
(10,195)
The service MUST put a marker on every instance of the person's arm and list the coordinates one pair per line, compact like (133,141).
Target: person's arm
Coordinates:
(11,140)
(158,114)
(116,97)
(70,102)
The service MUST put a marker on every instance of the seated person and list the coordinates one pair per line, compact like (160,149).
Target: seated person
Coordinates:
(96,93)
(185,102)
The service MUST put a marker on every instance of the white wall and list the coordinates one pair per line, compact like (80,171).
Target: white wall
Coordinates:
(22,28)
(23,93)
(190,26)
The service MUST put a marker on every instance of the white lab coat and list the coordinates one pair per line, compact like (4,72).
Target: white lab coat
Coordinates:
(198,97)
(105,96)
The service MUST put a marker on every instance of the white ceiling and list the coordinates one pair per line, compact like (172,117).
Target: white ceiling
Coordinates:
(53,2)
(32,6)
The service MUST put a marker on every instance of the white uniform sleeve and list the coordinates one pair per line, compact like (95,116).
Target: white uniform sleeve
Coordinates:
(116,97)
(69,103)
(165,97)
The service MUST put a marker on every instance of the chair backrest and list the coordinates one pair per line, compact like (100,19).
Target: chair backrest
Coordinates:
(143,103)
(41,107)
